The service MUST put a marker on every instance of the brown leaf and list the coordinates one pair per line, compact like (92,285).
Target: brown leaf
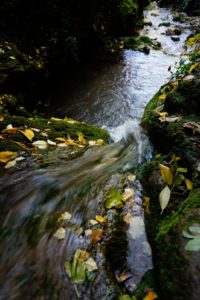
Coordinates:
(96,236)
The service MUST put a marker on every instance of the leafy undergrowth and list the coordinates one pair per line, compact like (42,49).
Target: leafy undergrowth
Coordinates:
(22,138)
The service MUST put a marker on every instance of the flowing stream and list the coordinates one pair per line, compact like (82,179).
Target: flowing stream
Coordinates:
(113,97)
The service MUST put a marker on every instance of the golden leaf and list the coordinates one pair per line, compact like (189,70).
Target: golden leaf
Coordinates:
(151,296)
(81,138)
(5,156)
(189,184)
(84,255)
(146,204)
(163,96)
(96,236)
(1,118)
(60,233)
(28,133)
(193,67)
(100,219)
(166,174)
(127,194)
(61,139)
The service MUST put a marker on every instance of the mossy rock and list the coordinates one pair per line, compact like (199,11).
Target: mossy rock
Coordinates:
(139,43)
(179,278)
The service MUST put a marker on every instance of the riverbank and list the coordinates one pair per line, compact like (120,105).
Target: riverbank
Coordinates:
(171,179)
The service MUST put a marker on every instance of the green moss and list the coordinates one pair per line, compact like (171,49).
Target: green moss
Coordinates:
(148,113)
(193,201)
(138,43)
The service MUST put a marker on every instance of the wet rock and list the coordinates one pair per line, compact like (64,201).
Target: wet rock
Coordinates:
(147,22)
(169,32)
(165,24)
(177,31)
(146,50)
(175,38)
(155,13)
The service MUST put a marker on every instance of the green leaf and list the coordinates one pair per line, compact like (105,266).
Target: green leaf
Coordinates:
(114,199)
(193,245)
(164,197)
(179,179)
(182,170)
(77,269)
(195,230)
(187,235)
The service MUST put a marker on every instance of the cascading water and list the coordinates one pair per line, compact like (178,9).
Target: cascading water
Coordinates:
(32,260)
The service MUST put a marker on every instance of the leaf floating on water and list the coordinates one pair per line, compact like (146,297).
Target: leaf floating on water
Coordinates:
(28,133)
(151,296)
(91,265)
(100,219)
(128,194)
(64,216)
(114,199)
(5,156)
(88,232)
(60,233)
(166,174)
(40,144)
(164,197)
(189,184)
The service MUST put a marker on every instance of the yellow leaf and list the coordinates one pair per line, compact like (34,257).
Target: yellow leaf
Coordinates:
(56,119)
(166,174)
(10,164)
(163,116)
(28,133)
(193,67)
(64,216)
(1,118)
(100,219)
(5,156)
(151,296)
(163,96)
(189,184)
(60,233)
(84,255)
(81,138)
(61,139)
(146,204)
(127,194)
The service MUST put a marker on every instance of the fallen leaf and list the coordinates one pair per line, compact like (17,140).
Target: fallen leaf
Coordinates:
(5,156)
(146,205)
(123,277)
(182,170)
(40,144)
(96,236)
(84,255)
(10,129)
(35,129)
(127,194)
(93,222)
(124,297)
(189,184)
(166,174)
(77,269)
(131,177)
(114,199)
(193,245)
(163,116)
(187,235)
(51,143)
(91,265)
(81,138)
(1,119)
(10,164)
(172,119)
(64,216)
(195,230)
(62,145)
(61,139)
(28,133)
(151,296)
(60,233)
(164,197)
(163,96)
(88,232)
(100,219)
(193,67)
